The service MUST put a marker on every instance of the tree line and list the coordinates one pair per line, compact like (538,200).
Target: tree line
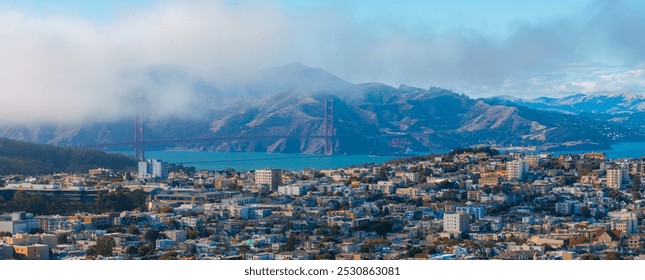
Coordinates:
(121,199)
(18,157)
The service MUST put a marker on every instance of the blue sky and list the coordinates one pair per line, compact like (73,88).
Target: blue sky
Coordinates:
(480,48)
(492,17)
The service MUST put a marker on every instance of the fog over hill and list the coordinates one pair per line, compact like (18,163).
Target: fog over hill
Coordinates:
(368,118)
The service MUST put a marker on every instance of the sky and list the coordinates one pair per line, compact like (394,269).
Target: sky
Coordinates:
(74,61)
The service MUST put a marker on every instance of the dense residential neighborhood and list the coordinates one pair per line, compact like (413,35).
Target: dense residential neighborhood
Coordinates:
(472,203)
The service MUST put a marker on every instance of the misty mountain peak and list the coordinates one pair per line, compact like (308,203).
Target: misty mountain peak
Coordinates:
(296,76)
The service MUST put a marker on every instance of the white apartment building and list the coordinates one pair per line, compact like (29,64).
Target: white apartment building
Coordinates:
(516,169)
(614,177)
(153,168)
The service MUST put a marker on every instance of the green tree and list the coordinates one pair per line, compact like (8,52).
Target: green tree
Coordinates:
(335,229)
(131,251)
(585,212)
(291,243)
(636,184)
(61,238)
(151,235)
(32,203)
(325,256)
(445,184)
(589,257)
(613,256)
(383,227)
(144,249)
(382,174)
(370,246)
(91,252)
(192,234)
(449,195)
(104,246)
(133,229)
(169,256)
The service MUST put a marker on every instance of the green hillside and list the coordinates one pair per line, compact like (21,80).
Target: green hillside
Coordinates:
(18,157)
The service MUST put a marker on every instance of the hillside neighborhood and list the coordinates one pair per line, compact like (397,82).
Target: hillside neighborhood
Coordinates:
(474,203)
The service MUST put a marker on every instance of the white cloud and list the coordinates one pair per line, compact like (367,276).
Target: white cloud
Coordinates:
(66,70)
(71,70)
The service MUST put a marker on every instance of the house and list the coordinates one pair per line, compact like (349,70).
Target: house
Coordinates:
(31,252)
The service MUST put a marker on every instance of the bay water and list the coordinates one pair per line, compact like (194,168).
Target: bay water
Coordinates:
(242,161)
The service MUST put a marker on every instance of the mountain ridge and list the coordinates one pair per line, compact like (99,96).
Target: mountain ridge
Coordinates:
(368,118)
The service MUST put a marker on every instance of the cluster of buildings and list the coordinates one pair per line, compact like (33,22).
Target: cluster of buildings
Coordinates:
(473,205)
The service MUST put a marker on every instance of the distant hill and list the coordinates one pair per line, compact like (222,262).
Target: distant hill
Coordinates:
(626,103)
(625,109)
(368,118)
(18,157)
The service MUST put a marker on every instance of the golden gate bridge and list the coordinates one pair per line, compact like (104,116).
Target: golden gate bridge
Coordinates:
(139,142)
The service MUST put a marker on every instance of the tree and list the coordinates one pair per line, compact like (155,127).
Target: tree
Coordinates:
(33,203)
(636,184)
(151,235)
(131,250)
(382,174)
(325,256)
(144,250)
(62,238)
(192,234)
(416,202)
(446,185)
(381,227)
(244,248)
(291,243)
(133,229)
(613,256)
(370,246)
(91,252)
(415,252)
(449,195)
(585,212)
(169,256)
(587,257)
(335,229)
(104,246)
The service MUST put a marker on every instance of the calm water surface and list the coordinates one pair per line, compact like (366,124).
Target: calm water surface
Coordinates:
(250,161)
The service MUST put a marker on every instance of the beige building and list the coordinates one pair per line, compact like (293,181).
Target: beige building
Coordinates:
(533,161)
(32,252)
(270,177)
(24,239)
